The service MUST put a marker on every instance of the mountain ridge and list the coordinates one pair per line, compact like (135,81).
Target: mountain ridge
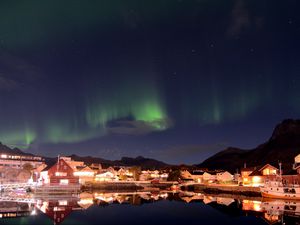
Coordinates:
(282,146)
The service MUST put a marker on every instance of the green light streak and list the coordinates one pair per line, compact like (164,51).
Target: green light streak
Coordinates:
(133,101)
(22,137)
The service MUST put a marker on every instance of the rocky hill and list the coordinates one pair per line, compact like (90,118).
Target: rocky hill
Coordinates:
(283,146)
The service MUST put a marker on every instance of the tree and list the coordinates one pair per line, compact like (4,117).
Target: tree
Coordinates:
(136,171)
(174,175)
(27,167)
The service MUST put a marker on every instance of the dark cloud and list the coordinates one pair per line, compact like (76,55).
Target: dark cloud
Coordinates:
(18,69)
(240,19)
(137,127)
(7,84)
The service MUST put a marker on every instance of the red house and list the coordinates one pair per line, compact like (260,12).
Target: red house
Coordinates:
(59,174)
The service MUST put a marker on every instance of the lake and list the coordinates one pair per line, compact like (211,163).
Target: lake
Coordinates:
(149,209)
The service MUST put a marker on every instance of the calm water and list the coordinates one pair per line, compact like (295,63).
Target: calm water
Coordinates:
(149,208)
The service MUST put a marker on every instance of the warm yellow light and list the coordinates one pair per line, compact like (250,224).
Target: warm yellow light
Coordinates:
(256,179)
(257,206)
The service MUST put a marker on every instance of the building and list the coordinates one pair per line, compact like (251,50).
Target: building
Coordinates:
(261,174)
(18,161)
(245,172)
(224,177)
(296,165)
(195,175)
(153,174)
(210,176)
(59,174)
(85,174)
(80,170)
(106,176)
(58,209)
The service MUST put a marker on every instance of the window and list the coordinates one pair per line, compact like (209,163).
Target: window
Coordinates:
(60,174)
(64,182)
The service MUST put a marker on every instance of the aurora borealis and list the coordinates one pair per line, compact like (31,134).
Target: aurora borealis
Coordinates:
(173,80)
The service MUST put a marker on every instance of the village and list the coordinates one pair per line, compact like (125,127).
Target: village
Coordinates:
(66,172)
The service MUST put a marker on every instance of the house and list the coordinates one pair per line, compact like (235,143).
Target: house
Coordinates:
(224,177)
(18,161)
(210,176)
(107,176)
(195,175)
(245,172)
(85,174)
(124,173)
(96,167)
(261,174)
(60,174)
(296,165)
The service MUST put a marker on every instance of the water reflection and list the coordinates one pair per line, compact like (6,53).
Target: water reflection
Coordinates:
(58,208)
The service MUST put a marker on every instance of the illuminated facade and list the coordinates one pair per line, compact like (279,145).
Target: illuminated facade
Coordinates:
(18,161)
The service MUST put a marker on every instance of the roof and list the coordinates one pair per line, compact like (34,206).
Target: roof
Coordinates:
(212,172)
(197,172)
(48,166)
(258,171)
(248,169)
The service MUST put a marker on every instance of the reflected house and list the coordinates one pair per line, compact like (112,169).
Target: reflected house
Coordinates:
(60,174)
(58,210)
(86,200)
(251,205)
(209,199)
(261,174)
(225,201)
(15,209)
(153,174)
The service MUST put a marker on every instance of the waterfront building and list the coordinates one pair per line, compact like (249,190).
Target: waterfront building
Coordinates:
(224,177)
(153,174)
(245,172)
(18,161)
(296,165)
(210,176)
(261,174)
(106,176)
(59,174)
(195,175)
(85,174)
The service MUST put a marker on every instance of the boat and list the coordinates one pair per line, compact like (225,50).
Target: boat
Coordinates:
(277,189)
(280,190)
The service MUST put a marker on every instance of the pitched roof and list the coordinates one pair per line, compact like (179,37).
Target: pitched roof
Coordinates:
(259,170)
(48,166)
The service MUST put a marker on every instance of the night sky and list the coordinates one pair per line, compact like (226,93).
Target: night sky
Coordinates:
(175,80)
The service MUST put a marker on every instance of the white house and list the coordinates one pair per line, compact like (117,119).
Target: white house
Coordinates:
(224,176)
(209,177)
(106,177)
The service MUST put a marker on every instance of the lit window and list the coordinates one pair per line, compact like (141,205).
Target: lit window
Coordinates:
(60,174)
(64,182)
